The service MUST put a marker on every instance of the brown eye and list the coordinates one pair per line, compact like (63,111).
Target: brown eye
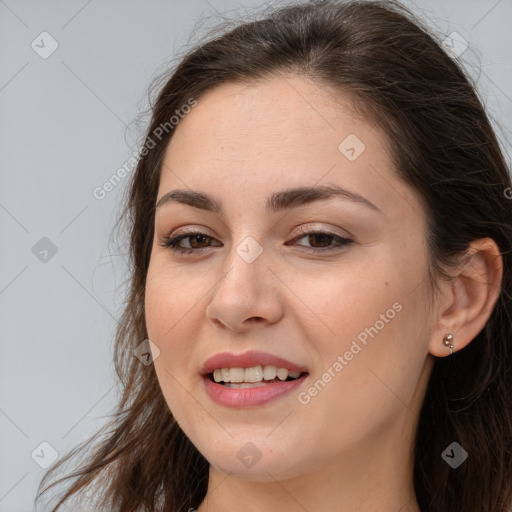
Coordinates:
(196,241)
(192,242)
(323,241)
(320,239)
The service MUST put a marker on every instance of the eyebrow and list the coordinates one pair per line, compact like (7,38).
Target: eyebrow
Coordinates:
(283,200)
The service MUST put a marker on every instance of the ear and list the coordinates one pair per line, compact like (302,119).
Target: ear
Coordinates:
(466,301)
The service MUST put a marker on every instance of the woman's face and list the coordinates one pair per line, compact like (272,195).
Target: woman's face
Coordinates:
(333,283)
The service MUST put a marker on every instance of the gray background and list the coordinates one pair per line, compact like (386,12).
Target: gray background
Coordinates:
(63,123)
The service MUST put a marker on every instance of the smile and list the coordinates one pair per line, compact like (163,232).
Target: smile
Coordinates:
(250,379)
(255,376)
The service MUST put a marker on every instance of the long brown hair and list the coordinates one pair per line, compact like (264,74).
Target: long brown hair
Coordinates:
(442,144)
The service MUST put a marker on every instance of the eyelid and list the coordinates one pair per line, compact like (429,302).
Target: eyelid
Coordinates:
(308,228)
(187,230)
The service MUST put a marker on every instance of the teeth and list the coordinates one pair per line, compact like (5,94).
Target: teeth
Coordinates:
(269,372)
(282,373)
(252,375)
(236,374)
(244,385)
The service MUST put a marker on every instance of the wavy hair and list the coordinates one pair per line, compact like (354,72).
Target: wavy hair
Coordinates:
(442,144)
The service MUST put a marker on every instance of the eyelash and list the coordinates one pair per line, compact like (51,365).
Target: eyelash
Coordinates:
(172,242)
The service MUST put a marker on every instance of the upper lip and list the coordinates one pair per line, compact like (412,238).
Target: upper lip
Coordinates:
(248,360)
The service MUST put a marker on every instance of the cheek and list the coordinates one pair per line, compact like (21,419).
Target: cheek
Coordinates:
(168,311)
(170,297)
(171,308)
(373,361)
(373,317)
(345,302)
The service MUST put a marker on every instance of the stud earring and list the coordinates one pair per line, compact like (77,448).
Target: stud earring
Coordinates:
(447,340)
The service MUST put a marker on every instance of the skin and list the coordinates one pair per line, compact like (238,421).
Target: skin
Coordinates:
(350,447)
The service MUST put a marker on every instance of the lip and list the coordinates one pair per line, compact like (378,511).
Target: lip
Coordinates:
(249,397)
(247,360)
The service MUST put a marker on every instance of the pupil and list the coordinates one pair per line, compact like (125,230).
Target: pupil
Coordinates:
(195,238)
(323,237)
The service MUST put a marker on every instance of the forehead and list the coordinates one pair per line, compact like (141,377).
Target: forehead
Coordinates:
(283,113)
(280,133)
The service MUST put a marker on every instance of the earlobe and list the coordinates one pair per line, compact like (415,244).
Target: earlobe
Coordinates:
(468,299)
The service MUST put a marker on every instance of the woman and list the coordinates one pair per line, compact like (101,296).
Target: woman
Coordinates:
(320,238)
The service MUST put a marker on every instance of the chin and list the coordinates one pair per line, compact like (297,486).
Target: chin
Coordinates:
(267,469)
(256,459)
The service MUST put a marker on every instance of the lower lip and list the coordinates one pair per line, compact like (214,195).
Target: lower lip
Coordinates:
(249,397)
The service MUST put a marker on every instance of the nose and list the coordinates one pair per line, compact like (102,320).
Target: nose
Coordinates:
(246,296)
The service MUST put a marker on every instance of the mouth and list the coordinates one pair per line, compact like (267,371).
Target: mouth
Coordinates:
(250,379)
(253,377)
